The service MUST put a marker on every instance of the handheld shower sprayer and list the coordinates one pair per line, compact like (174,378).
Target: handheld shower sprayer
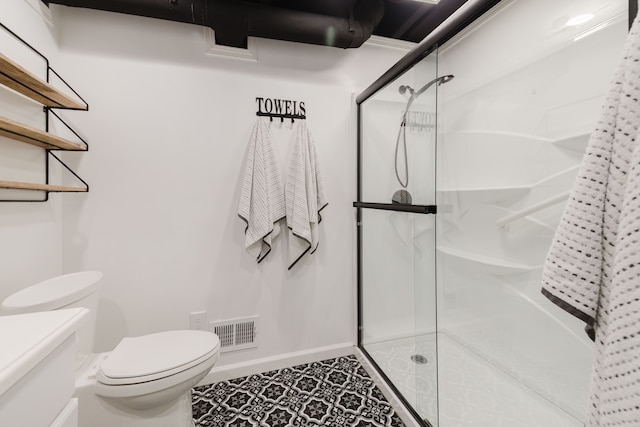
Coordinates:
(440,80)
(404,88)
(402,195)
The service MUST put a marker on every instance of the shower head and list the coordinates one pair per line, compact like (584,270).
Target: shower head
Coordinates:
(446,79)
(440,80)
(403,89)
(415,94)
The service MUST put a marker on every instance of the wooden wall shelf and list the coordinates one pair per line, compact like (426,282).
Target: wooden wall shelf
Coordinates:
(14,185)
(23,81)
(30,135)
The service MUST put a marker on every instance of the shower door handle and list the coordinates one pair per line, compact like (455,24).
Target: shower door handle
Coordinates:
(398,207)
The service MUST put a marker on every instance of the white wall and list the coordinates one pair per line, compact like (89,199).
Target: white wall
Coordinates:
(30,232)
(168,128)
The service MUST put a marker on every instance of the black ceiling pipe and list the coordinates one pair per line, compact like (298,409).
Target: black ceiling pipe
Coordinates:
(348,32)
(233,21)
(261,20)
(191,11)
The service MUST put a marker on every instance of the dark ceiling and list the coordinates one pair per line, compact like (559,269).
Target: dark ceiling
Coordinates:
(412,20)
(338,23)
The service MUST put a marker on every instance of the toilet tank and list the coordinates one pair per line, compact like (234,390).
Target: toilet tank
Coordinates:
(66,291)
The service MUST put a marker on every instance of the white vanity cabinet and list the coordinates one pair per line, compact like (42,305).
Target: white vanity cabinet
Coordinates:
(37,368)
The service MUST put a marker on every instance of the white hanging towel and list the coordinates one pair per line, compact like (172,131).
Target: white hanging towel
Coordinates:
(593,266)
(305,198)
(262,197)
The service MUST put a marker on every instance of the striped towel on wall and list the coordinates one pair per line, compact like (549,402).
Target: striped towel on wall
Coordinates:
(304,196)
(593,266)
(262,196)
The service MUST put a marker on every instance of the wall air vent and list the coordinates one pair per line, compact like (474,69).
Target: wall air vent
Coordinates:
(236,334)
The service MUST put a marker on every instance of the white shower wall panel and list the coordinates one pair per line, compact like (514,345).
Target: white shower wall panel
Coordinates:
(485,159)
(503,129)
(527,93)
(524,32)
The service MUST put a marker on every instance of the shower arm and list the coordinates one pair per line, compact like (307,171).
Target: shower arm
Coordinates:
(414,94)
(440,80)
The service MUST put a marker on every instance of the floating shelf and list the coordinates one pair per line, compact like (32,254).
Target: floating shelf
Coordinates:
(485,263)
(14,185)
(20,132)
(23,81)
(574,143)
(17,78)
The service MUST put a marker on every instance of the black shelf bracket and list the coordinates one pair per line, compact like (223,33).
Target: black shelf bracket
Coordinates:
(86,186)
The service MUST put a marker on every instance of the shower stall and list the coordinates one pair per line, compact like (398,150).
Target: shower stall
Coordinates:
(467,149)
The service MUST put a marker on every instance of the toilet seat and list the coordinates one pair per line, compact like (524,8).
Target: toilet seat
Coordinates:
(158,367)
(152,357)
(171,386)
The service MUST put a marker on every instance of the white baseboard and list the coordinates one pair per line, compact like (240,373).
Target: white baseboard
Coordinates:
(237,370)
(392,398)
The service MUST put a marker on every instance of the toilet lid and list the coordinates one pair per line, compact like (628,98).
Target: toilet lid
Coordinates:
(53,293)
(149,357)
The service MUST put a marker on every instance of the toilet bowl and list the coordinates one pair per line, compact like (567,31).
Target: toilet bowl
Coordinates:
(144,381)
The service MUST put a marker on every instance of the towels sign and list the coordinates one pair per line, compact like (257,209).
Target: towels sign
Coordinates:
(281,108)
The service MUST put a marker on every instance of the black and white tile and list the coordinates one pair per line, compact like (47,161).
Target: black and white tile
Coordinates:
(334,392)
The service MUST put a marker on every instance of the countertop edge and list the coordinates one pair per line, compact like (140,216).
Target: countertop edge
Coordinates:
(11,373)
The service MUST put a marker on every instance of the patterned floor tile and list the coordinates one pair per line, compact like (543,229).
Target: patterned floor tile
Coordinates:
(335,392)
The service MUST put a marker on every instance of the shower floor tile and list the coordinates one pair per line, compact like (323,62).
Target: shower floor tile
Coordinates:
(333,392)
(472,391)
(416,381)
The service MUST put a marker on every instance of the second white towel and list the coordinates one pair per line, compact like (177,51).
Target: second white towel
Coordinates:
(304,197)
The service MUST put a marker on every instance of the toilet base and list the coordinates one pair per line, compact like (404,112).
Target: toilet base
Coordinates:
(99,411)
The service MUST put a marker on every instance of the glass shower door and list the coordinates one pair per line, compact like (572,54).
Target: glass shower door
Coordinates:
(396,226)
(517,120)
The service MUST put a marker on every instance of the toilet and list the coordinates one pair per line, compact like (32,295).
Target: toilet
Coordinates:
(144,381)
